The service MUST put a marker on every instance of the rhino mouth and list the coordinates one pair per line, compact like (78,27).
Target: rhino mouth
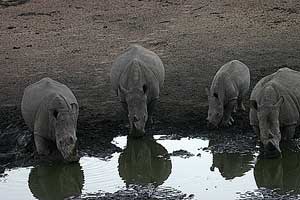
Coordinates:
(69,152)
(137,130)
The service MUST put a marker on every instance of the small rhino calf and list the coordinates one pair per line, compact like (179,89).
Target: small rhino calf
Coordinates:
(50,110)
(137,77)
(229,86)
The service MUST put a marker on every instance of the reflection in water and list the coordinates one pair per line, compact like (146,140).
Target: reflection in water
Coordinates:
(56,182)
(144,161)
(231,165)
(282,173)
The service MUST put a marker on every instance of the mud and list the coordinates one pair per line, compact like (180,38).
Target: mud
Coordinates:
(139,193)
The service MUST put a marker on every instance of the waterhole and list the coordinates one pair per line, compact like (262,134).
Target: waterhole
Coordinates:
(185,164)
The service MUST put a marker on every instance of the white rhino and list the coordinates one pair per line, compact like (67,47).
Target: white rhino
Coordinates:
(137,77)
(50,110)
(275,109)
(229,86)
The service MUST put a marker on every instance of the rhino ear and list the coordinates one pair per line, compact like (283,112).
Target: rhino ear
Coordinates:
(253,105)
(279,102)
(216,95)
(123,90)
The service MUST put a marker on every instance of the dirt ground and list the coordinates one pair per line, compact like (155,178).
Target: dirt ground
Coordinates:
(75,42)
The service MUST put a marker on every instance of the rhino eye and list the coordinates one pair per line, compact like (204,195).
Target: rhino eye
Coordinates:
(55,113)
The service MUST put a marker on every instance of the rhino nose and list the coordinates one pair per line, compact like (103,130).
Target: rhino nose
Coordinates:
(270,136)
(135,118)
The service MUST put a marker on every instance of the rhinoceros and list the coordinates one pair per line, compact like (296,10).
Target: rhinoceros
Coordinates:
(50,110)
(137,77)
(275,109)
(229,87)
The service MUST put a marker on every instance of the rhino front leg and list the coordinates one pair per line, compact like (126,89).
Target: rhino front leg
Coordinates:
(42,145)
(288,132)
(257,132)
(229,108)
(125,107)
(151,107)
(240,104)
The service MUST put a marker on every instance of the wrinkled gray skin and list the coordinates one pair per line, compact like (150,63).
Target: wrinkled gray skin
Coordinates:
(229,86)
(50,109)
(137,77)
(274,109)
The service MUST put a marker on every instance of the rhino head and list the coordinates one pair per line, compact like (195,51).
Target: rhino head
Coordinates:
(136,100)
(215,110)
(269,128)
(64,120)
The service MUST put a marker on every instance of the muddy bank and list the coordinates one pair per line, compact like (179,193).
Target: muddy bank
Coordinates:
(139,193)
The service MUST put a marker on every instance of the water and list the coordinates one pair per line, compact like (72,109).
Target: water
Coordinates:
(207,176)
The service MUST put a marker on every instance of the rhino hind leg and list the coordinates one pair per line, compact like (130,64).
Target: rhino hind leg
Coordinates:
(240,104)
(229,108)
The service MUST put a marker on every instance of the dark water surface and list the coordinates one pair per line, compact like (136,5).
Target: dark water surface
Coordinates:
(159,163)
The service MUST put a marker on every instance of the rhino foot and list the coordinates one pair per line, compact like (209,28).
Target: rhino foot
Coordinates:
(228,123)
(149,122)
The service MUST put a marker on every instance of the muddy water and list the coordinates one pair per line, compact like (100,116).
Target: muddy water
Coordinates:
(206,175)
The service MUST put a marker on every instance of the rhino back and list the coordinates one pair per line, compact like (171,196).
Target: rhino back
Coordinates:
(256,95)
(286,83)
(37,94)
(150,59)
(233,79)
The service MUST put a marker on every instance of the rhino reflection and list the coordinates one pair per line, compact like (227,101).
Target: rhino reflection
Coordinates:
(144,161)
(56,182)
(232,165)
(282,173)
